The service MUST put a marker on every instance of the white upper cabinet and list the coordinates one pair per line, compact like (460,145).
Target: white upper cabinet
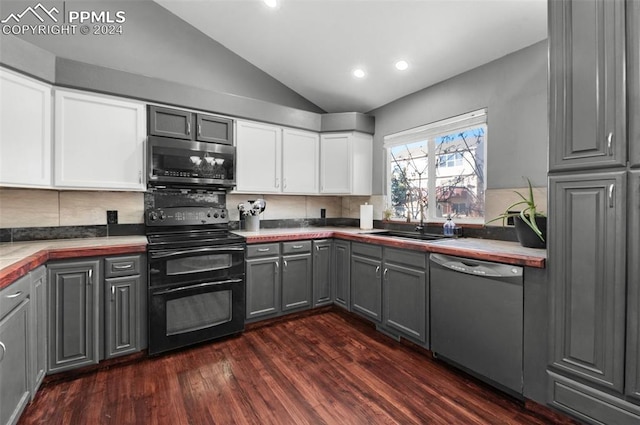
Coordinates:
(258,162)
(300,161)
(99,142)
(25,131)
(346,163)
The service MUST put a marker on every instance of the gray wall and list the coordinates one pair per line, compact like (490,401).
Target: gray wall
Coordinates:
(156,43)
(513,88)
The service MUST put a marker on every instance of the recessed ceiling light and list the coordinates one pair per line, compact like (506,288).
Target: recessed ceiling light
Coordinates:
(271,3)
(402,65)
(358,73)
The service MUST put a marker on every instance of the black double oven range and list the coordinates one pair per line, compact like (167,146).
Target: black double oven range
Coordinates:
(195,264)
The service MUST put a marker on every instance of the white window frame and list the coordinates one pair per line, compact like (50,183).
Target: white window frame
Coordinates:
(429,132)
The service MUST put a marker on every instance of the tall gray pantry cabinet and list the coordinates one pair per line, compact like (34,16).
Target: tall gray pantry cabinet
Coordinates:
(594,203)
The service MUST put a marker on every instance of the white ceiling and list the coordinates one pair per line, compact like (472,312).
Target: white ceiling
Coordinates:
(312,46)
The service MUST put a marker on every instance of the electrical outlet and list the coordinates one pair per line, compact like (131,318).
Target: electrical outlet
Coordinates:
(112,217)
(323,213)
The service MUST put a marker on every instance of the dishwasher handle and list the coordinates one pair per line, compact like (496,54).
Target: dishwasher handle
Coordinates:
(475,267)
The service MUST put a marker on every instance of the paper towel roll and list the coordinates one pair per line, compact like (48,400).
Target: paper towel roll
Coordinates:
(366,217)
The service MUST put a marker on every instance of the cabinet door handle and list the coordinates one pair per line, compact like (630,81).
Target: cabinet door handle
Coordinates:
(610,143)
(612,193)
(378,271)
(277,182)
(284,183)
(285,264)
(113,293)
(188,128)
(4,349)
(318,248)
(139,176)
(90,277)
(277,265)
(384,274)
(199,130)
(16,295)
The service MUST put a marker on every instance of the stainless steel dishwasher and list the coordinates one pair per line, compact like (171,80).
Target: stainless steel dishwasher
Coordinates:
(477,318)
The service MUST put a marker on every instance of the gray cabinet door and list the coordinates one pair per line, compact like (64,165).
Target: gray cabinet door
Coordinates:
(296,281)
(587,270)
(122,315)
(366,287)
(633,290)
(14,369)
(322,272)
(587,90)
(633,81)
(74,331)
(38,326)
(214,129)
(171,123)
(405,300)
(263,287)
(342,273)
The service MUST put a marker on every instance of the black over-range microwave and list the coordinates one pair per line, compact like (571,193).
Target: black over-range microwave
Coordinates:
(188,149)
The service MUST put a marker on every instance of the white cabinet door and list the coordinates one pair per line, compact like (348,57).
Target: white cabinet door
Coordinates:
(361,163)
(335,163)
(259,150)
(99,142)
(25,131)
(300,161)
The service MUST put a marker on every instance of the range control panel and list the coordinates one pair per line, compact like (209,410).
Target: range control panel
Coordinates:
(186,216)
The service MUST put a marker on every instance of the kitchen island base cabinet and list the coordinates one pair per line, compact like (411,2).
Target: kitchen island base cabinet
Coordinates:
(342,274)
(74,294)
(14,350)
(404,288)
(366,280)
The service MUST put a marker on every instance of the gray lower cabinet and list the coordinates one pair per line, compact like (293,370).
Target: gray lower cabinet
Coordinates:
(38,349)
(588,274)
(74,295)
(296,275)
(366,280)
(322,272)
(263,280)
(15,304)
(124,305)
(632,380)
(342,273)
(404,288)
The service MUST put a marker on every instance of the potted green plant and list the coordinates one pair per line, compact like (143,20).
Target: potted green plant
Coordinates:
(530,224)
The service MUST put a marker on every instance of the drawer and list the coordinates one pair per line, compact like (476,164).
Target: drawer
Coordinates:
(367,250)
(122,266)
(13,294)
(589,404)
(414,259)
(297,247)
(263,250)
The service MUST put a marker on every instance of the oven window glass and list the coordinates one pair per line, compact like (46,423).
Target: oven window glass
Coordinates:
(197,312)
(198,264)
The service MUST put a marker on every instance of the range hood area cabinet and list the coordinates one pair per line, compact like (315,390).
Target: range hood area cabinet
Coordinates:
(274,159)
(181,124)
(25,131)
(594,210)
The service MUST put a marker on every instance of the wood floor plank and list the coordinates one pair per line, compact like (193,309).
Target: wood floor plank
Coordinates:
(319,369)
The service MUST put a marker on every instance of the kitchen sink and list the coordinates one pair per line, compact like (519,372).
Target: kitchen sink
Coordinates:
(411,235)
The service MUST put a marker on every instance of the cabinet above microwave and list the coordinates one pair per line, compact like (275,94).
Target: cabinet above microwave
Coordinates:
(181,124)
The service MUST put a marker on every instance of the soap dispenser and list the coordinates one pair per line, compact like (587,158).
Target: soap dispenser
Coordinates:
(448,226)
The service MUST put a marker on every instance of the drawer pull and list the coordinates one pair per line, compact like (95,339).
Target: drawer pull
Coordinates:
(298,246)
(123,267)
(264,249)
(16,295)
(4,349)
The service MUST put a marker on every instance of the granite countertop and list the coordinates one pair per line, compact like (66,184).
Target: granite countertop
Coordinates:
(479,249)
(19,258)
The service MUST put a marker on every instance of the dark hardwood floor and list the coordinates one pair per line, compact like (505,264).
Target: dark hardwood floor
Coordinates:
(325,368)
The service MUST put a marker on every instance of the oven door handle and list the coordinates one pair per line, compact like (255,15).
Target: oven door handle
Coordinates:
(198,286)
(167,254)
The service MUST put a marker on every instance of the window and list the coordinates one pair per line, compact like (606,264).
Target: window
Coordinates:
(439,170)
